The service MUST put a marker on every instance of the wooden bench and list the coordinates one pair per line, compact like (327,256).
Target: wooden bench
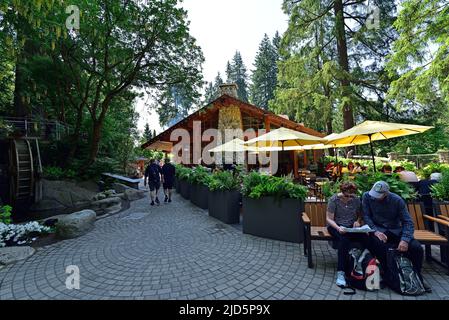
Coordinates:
(133,183)
(314,219)
(442,210)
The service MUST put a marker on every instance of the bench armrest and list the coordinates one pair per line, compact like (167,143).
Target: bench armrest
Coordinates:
(443,217)
(439,221)
(305,218)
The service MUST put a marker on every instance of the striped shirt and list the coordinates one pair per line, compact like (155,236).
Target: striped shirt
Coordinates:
(345,213)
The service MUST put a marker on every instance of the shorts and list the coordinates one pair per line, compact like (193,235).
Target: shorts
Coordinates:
(168,185)
(154,185)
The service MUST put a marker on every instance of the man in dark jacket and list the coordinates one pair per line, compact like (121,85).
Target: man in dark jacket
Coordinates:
(168,176)
(153,176)
(387,214)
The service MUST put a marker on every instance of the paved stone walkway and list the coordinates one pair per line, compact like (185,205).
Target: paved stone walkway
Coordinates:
(176,251)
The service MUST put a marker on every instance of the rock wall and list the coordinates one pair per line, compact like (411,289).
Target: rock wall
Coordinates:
(229,123)
(62,196)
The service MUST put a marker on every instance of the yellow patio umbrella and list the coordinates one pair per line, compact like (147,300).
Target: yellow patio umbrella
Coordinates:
(370,131)
(283,139)
(235,145)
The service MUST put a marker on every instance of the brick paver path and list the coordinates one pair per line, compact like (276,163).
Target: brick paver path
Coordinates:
(176,251)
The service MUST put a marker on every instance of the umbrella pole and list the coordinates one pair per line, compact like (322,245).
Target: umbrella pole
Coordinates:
(372,152)
(336,155)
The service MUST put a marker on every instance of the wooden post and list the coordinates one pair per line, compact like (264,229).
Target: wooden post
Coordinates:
(267,129)
(305,159)
(295,164)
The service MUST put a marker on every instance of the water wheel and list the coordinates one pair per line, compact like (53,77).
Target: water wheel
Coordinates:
(24,165)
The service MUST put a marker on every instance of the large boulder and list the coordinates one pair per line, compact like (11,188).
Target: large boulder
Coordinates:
(107,206)
(76,224)
(133,194)
(11,255)
(120,187)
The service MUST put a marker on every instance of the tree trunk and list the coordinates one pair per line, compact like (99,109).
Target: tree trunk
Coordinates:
(76,134)
(20,106)
(95,144)
(342,48)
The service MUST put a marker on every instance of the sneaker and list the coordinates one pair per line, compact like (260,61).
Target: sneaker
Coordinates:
(152,203)
(166,199)
(169,200)
(157,201)
(341,280)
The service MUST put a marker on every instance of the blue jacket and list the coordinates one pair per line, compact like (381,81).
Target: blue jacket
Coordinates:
(390,214)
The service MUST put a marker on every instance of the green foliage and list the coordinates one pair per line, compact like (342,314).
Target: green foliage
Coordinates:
(57,173)
(433,167)
(224,181)
(440,191)
(237,73)
(183,173)
(408,165)
(5,214)
(256,185)
(264,77)
(199,175)
(365,182)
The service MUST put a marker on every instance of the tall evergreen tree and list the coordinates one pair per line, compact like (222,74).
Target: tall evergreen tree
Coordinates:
(209,93)
(230,75)
(264,76)
(147,132)
(237,73)
(343,55)
(217,83)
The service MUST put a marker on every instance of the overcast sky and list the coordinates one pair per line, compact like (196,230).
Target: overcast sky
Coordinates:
(221,27)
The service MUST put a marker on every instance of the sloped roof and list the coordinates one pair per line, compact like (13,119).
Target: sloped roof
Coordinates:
(226,99)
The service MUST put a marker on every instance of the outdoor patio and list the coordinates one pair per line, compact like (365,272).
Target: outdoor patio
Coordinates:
(176,251)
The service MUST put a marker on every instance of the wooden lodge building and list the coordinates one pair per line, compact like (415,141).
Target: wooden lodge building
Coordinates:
(228,112)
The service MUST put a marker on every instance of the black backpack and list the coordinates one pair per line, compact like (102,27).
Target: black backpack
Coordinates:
(401,275)
(363,271)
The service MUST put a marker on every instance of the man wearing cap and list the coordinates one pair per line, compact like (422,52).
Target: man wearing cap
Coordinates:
(387,214)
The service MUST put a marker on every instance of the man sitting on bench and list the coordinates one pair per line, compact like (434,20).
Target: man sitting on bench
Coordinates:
(387,214)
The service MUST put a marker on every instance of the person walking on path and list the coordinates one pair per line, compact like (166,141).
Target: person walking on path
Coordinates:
(153,176)
(168,178)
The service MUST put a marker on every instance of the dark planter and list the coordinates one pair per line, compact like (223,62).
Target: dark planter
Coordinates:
(199,196)
(224,206)
(274,219)
(184,189)
(176,184)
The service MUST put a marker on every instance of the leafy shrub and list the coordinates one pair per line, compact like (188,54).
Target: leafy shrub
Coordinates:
(199,175)
(183,173)
(256,185)
(440,191)
(433,167)
(20,234)
(379,164)
(5,214)
(57,173)
(224,181)
(365,182)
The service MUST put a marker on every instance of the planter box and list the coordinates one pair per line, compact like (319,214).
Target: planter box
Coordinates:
(199,195)
(274,219)
(184,189)
(176,185)
(225,206)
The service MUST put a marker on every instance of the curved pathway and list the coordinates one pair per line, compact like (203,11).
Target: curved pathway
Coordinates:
(176,251)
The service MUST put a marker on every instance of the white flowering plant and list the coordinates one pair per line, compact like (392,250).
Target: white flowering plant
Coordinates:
(21,234)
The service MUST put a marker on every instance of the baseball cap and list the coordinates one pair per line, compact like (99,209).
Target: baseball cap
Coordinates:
(379,189)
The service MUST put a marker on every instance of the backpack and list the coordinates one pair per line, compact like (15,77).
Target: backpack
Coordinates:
(401,276)
(363,271)
(153,173)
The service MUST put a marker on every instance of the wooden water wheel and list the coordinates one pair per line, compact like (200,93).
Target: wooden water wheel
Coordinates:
(24,171)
